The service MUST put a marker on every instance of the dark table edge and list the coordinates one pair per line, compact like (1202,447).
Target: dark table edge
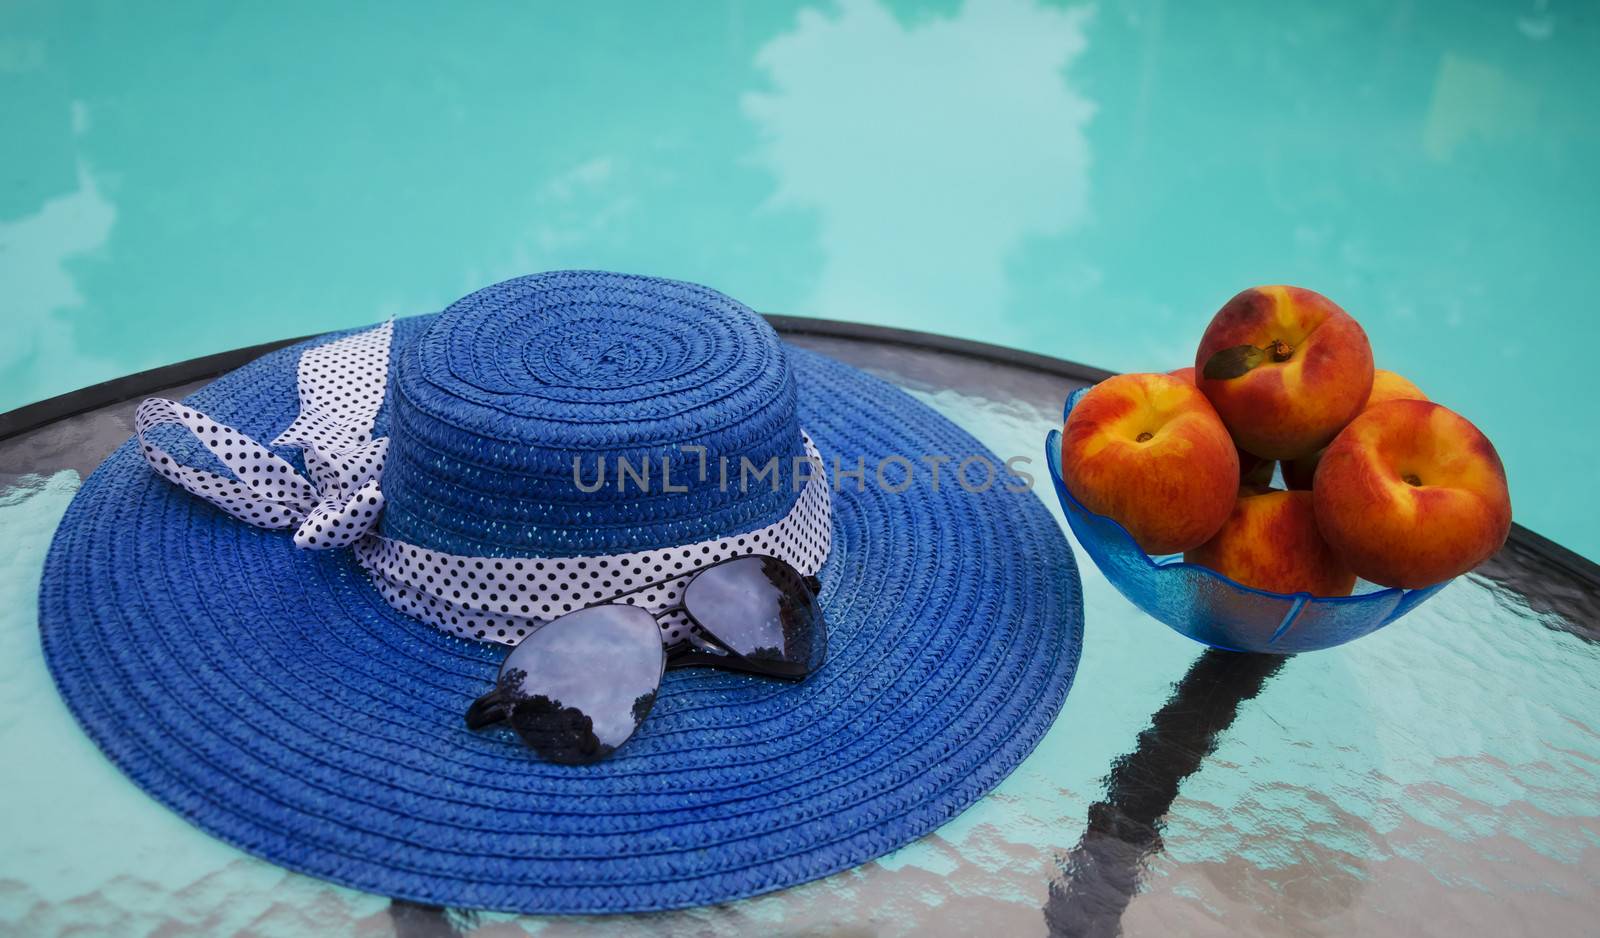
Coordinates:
(33,416)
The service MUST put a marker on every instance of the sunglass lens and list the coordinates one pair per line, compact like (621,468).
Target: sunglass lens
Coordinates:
(577,689)
(763,611)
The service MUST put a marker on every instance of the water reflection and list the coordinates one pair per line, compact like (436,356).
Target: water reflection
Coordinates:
(1474,100)
(929,151)
(43,351)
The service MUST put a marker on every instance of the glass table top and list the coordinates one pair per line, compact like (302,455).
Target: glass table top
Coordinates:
(1441,776)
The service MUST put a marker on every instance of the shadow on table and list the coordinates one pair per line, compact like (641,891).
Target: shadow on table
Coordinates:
(1100,875)
(415,920)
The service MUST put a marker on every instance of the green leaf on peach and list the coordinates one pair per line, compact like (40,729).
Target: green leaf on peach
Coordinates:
(1233,362)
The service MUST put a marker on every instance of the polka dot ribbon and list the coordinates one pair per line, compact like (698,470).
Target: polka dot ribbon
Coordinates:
(341,388)
(495,599)
(505,599)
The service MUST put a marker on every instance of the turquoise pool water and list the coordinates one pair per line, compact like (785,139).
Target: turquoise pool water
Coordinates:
(1089,181)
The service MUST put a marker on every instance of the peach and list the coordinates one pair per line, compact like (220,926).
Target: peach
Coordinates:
(1386,386)
(1150,452)
(1253,470)
(1285,368)
(1271,542)
(1411,494)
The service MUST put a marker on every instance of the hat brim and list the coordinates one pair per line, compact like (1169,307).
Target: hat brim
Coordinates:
(271,697)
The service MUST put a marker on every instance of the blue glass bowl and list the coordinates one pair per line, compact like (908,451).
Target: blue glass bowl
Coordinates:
(1212,609)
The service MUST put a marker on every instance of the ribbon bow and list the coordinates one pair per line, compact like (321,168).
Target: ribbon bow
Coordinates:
(341,388)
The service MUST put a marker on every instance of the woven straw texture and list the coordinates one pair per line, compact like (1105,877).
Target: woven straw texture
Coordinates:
(271,697)
(517,379)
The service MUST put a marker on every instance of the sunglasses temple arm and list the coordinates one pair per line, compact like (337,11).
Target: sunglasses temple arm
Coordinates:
(488,710)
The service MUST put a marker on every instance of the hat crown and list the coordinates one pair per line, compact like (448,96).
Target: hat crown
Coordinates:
(510,386)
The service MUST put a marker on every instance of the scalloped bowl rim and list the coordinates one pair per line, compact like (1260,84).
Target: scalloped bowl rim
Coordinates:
(1053,460)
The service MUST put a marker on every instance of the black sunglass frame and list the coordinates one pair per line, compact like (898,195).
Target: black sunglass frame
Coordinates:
(684,653)
(492,707)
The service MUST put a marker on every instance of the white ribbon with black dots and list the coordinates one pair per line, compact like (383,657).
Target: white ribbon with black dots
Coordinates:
(504,599)
(498,599)
(341,388)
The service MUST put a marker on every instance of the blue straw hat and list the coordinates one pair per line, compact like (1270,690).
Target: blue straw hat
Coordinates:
(277,698)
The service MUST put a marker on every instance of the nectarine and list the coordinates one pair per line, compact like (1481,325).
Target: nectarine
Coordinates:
(1149,451)
(1253,470)
(1386,386)
(1286,369)
(1270,542)
(1411,494)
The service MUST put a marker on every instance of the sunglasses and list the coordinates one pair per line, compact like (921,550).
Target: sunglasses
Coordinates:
(577,688)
